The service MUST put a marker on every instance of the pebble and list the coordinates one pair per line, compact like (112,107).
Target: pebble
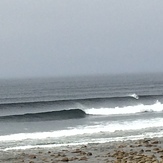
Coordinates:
(83,158)
(65,159)
(141,151)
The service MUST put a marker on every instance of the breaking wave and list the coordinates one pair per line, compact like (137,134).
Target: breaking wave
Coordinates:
(96,99)
(134,96)
(141,108)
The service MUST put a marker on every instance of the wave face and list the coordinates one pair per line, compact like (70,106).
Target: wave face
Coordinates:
(66,109)
(82,113)
(46,116)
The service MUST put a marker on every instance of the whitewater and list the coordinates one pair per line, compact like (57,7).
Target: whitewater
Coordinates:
(156,107)
(71,111)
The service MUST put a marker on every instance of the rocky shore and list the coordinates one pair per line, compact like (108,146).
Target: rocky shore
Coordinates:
(137,151)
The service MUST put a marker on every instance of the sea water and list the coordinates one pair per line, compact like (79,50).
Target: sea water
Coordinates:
(79,110)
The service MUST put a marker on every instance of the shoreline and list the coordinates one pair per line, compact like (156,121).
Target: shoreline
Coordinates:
(149,150)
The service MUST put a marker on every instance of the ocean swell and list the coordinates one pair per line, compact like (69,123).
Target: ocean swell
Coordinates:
(46,116)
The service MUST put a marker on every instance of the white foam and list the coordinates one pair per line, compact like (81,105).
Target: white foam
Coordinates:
(134,96)
(157,107)
(86,130)
(97,140)
(43,146)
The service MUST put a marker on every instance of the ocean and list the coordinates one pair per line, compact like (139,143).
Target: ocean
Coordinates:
(79,110)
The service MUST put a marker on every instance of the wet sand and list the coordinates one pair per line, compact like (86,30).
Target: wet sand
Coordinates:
(137,151)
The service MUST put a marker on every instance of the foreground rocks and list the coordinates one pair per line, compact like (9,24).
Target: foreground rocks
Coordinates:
(139,151)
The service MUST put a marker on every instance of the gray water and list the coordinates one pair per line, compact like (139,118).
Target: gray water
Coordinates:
(119,107)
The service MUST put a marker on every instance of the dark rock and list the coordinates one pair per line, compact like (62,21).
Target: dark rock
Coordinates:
(155,142)
(32,156)
(65,159)
(76,151)
(83,158)
(89,154)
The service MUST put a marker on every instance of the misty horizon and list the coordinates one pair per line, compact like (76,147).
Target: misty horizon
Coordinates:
(80,38)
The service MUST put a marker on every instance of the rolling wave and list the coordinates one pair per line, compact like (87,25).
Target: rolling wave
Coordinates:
(82,113)
(157,107)
(46,116)
(69,113)
(38,103)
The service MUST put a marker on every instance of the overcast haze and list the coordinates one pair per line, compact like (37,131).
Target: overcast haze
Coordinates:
(80,37)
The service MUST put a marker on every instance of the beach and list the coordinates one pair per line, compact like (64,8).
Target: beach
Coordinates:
(148,150)
(88,119)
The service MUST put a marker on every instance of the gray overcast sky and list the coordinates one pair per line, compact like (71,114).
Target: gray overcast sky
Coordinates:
(73,37)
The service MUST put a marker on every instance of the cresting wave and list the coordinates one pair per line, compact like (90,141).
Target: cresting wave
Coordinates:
(38,103)
(134,96)
(46,116)
(157,107)
(78,113)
